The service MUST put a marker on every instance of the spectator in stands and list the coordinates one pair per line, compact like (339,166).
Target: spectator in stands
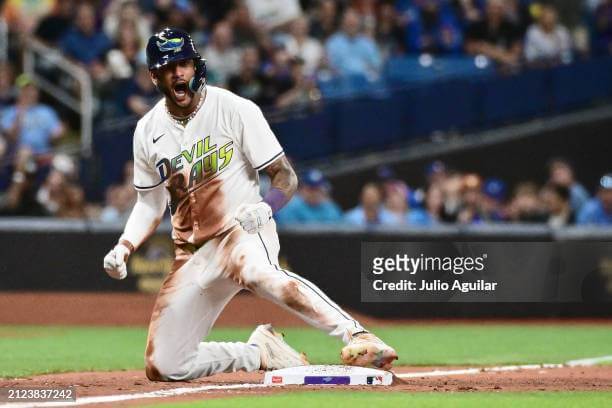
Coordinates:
(7,86)
(277,74)
(556,200)
(312,204)
(561,173)
(395,202)
(303,91)
(495,37)
(525,205)
(417,215)
(53,26)
(430,26)
(29,123)
(470,211)
(121,12)
(84,42)
(389,35)
(598,211)
(177,13)
(352,54)
(521,13)
(249,82)
(367,14)
(370,211)
(436,173)
(59,194)
(492,200)
(434,203)
(120,198)
(19,199)
(548,42)
(222,57)
(469,11)
(141,93)
(603,28)
(123,59)
(299,45)
(246,32)
(451,186)
(325,20)
(74,205)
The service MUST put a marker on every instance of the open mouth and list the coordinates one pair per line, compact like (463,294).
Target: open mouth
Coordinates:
(180,90)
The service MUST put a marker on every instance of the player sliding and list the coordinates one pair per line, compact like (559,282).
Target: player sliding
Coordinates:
(199,149)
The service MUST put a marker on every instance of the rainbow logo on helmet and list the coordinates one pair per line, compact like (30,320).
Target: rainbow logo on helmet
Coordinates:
(172,44)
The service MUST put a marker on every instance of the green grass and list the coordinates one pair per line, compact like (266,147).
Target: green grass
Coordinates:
(345,399)
(28,350)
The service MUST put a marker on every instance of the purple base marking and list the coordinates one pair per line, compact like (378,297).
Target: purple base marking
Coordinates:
(276,199)
(325,380)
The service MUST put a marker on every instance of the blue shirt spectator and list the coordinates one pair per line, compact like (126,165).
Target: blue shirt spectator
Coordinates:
(419,217)
(359,216)
(598,211)
(29,123)
(370,212)
(298,211)
(561,173)
(353,54)
(84,42)
(312,205)
(430,26)
(594,212)
(579,196)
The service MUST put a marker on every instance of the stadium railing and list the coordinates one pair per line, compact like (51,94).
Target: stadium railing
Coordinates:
(37,56)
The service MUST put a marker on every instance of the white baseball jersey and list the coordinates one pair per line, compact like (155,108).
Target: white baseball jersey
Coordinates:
(210,166)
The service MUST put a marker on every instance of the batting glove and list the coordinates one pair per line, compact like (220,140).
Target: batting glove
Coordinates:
(252,217)
(114,262)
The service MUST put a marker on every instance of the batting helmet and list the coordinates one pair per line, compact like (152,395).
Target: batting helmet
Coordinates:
(173,45)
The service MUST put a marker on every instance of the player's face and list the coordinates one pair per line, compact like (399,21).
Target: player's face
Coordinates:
(173,80)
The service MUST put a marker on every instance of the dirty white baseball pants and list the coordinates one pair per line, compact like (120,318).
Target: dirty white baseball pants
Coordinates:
(201,284)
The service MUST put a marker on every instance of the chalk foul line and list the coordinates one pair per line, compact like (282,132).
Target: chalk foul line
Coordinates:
(107,399)
(585,362)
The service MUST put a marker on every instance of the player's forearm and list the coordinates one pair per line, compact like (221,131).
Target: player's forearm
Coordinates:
(145,217)
(284,183)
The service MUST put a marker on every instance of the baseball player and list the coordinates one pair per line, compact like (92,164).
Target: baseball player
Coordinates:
(199,151)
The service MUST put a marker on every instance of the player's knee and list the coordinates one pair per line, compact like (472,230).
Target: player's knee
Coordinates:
(159,371)
(153,373)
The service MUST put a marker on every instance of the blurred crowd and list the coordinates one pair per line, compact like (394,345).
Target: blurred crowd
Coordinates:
(454,197)
(276,53)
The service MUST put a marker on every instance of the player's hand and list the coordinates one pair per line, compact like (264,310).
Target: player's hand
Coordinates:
(114,262)
(252,217)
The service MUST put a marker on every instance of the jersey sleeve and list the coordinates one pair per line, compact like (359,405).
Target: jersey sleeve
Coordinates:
(146,176)
(257,141)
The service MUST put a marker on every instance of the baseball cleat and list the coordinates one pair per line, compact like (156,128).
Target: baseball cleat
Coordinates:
(366,349)
(275,352)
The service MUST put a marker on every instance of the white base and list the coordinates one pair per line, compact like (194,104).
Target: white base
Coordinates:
(328,375)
